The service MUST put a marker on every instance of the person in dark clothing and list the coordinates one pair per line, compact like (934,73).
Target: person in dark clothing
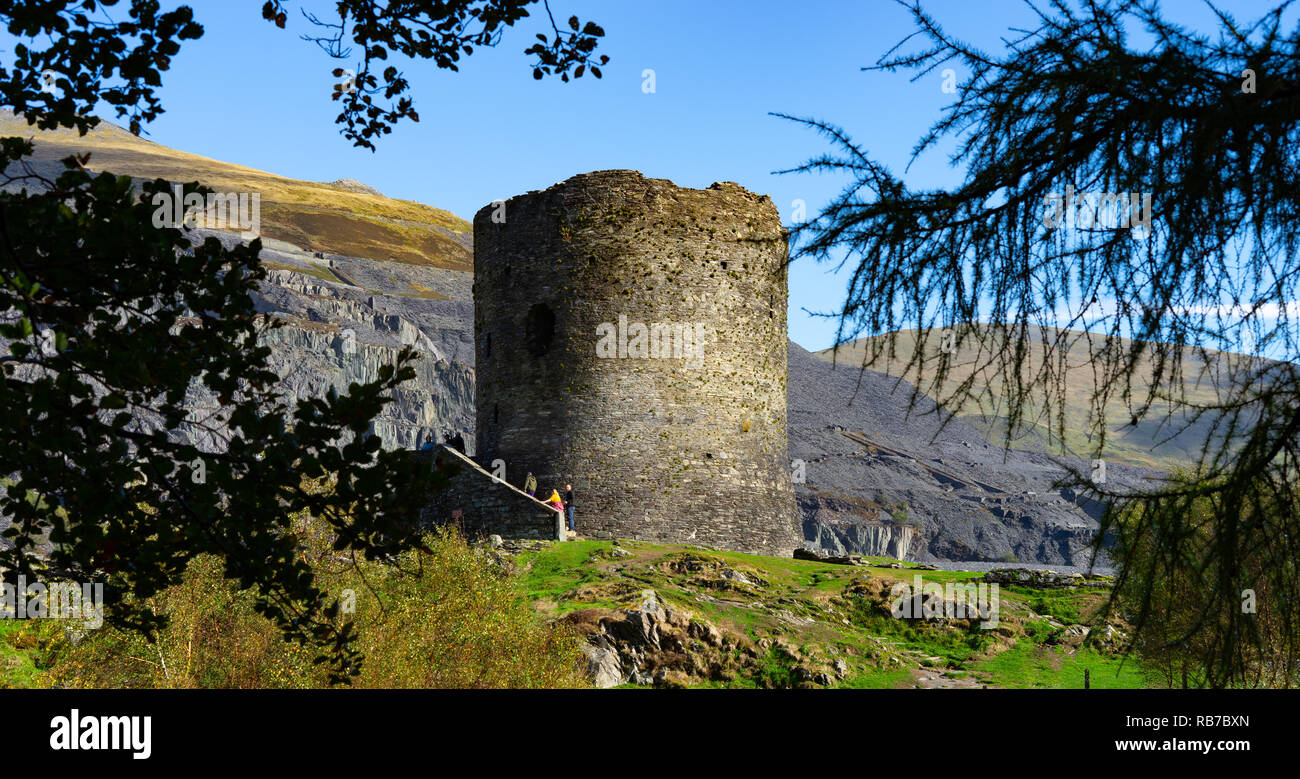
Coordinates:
(454,440)
(568,503)
(530,485)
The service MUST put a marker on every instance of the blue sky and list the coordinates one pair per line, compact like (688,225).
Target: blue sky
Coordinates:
(256,95)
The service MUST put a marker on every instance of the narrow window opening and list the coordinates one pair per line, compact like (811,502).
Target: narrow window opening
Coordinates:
(539,329)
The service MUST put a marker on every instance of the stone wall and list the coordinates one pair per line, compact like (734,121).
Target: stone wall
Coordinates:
(481,505)
(660,445)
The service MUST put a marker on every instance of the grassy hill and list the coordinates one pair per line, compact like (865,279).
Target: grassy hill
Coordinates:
(339,218)
(800,623)
(1164,437)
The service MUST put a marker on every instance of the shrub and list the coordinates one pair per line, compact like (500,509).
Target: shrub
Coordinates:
(447,617)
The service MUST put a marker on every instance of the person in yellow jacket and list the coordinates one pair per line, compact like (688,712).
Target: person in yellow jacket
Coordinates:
(554,501)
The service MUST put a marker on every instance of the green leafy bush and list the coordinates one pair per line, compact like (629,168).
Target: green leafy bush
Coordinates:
(447,616)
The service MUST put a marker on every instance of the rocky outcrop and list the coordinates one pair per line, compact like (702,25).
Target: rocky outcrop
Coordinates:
(352,185)
(840,525)
(657,644)
(332,334)
(1041,579)
(818,557)
(603,666)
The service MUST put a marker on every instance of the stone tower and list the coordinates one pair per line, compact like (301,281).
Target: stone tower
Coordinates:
(630,339)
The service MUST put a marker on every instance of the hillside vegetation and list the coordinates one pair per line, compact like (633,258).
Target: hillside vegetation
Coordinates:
(442,619)
(339,218)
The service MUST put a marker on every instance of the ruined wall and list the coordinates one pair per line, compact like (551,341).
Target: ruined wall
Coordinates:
(482,505)
(683,443)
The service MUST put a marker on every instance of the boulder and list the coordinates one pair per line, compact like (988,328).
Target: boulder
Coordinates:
(1030,577)
(603,666)
(705,632)
(809,554)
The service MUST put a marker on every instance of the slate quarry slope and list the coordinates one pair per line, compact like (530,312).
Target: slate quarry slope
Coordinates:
(880,476)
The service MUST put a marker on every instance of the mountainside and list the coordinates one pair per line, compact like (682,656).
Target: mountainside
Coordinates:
(1164,437)
(885,480)
(356,276)
(344,217)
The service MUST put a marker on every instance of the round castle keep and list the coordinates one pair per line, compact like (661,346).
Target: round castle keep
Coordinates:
(631,340)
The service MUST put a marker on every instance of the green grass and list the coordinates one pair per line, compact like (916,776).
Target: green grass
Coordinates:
(879,679)
(16,666)
(776,670)
(1069,606)
(550,574)
(953,644)
(943,577)
(1032,666)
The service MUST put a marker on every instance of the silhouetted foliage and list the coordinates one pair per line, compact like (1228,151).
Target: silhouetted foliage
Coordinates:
(1193,632)
(439,31)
